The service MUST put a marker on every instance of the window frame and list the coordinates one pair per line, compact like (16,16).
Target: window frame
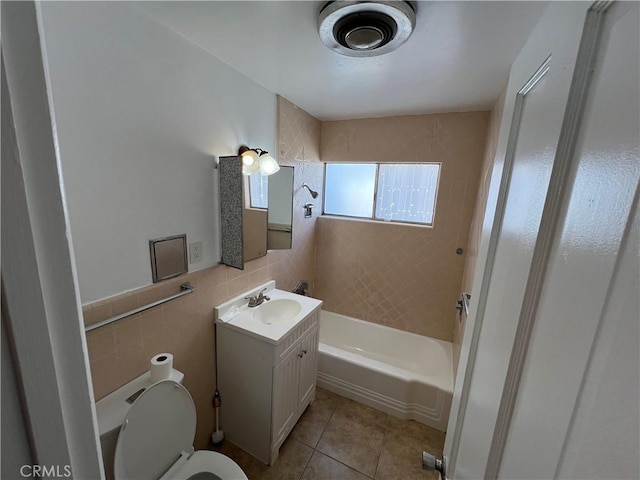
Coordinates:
(373,217)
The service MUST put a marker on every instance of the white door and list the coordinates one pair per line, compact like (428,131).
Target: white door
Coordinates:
(544,267)
(578,396)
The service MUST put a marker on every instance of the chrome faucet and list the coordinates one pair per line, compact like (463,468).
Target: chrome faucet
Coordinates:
(257,299)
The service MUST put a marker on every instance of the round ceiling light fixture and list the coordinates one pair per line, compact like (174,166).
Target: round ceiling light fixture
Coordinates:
(365,29)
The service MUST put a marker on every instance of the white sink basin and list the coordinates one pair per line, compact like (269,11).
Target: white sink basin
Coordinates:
(277,311)
(270,321)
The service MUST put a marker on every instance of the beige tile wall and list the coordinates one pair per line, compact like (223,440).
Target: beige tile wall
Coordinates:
(475,229)
(121,351)
(299,145)
(407,277)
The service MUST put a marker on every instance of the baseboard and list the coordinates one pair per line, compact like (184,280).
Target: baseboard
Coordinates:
(407,411)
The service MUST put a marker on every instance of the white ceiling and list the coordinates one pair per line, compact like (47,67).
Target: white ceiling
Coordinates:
(457,58)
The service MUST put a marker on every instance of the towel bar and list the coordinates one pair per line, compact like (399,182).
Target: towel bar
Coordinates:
(185,289)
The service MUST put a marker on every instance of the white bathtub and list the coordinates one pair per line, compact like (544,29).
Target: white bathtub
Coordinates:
(403,374)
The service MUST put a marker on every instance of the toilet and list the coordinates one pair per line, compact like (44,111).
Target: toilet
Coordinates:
(154,439)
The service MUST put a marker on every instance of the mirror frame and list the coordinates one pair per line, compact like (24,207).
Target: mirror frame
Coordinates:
(235,211)
(231,205)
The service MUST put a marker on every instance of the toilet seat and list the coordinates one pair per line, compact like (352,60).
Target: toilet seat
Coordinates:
(205,461)
(156,440)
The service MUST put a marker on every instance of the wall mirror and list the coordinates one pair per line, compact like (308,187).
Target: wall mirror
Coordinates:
(280,210)
(256,212)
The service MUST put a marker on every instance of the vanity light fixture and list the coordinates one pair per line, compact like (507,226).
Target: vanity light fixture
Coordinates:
(254,159)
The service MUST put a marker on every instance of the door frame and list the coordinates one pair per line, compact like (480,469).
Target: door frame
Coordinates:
(39,282)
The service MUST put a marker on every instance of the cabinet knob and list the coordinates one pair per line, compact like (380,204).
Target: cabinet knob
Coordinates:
(300,355)
(304,352)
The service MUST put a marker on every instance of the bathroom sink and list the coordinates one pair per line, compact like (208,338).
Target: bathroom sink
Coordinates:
(273,319)
(277,311)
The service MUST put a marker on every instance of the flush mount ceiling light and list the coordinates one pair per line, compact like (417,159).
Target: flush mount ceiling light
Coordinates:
(254,159)
(365,29)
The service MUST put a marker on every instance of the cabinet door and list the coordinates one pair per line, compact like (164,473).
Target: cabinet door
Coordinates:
(308,367)
(285,396)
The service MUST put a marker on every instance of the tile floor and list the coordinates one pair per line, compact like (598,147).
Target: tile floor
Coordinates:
(339,439)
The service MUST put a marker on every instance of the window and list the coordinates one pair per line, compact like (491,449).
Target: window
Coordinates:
(392,192)
(258,190)
(349,189)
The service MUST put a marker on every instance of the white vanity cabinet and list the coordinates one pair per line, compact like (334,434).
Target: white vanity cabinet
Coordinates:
(294,385)
(265,384)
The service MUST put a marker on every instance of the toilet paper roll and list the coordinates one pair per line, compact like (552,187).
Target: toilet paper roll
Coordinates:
(161,366)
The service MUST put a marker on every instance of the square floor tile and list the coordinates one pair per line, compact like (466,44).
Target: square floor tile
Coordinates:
(432,439)
(315,418)
(351,437)
(321,467)
(293,458)
(351,410)
(290,464)
(401,457)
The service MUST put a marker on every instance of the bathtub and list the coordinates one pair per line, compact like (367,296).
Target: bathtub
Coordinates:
(403,374)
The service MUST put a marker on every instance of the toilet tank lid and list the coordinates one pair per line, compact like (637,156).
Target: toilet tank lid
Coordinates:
(112,409)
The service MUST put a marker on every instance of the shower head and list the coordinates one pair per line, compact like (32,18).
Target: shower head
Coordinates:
(313,194)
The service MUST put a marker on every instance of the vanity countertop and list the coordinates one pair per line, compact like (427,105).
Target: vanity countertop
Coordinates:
(237,314)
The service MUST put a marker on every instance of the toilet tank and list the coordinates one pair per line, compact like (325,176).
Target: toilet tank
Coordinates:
(112,410)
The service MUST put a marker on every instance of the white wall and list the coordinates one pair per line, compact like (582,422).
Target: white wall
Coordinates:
(140,114)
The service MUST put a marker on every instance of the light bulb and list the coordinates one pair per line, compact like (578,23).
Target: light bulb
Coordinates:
(250,162)
(249,157)
(268,164)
